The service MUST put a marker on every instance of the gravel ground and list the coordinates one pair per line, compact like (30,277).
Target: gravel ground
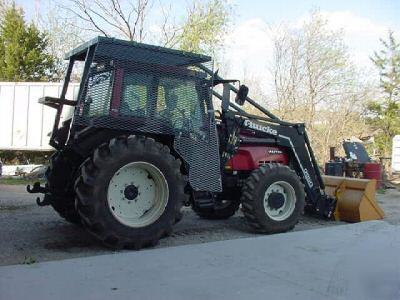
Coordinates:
(31,234)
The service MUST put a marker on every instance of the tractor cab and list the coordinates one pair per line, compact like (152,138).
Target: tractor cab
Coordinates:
(148,90)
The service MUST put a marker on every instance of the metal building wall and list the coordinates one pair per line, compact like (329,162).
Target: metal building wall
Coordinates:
(24,123)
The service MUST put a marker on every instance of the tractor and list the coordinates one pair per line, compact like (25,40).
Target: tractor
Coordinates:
(144,139)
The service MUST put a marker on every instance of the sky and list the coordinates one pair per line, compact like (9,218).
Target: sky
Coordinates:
(248,47)
(363,22)
(381,11)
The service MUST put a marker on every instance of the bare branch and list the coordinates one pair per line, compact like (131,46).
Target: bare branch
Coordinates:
(81,4)
(112,16)
(169,30)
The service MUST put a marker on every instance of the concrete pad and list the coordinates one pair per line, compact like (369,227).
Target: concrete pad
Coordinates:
(359,261)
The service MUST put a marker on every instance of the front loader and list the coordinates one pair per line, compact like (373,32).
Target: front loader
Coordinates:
(145,139)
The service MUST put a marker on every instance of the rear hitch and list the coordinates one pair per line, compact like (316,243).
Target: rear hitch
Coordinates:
(36,188)
(39,189)
(43,202)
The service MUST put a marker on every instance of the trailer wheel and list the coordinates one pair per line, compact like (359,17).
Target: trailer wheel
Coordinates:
(130,192)
(60,178)
(273,199)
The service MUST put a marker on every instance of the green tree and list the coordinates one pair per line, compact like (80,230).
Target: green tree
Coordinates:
(316,83)
(205,26)
(384,114)
(23,55)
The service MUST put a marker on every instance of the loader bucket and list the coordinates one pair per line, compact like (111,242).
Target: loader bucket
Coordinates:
(356,200)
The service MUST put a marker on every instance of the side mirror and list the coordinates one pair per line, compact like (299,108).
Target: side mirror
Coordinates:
(241,95)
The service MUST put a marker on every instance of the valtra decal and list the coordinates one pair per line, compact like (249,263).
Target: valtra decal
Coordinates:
(255,126)
(275,151)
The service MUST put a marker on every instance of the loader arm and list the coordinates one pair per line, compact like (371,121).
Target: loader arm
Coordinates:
(294,138)
(345,199)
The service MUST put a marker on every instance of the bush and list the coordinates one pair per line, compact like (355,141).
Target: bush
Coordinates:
(12,157)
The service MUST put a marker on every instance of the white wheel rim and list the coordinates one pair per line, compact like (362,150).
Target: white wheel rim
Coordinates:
(137,194)
(289,201)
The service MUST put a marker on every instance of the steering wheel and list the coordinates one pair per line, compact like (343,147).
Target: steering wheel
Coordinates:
(190,126)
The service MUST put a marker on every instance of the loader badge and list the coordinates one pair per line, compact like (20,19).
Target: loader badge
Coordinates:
(308,178)
(255,126)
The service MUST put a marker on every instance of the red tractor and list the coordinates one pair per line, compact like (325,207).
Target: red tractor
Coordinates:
(145,139)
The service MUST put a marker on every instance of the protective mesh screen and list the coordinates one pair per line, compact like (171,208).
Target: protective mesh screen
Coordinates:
(144,90)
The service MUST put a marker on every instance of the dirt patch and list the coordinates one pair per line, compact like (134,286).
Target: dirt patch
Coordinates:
(389,200)
(31,233)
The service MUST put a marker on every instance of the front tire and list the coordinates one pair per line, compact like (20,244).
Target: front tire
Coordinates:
(130,192)
(273,199)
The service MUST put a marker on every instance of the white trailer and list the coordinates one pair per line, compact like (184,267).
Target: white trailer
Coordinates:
(24,123)
(396,154)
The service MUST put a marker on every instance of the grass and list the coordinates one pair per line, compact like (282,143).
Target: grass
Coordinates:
(381,191)
(29,260)
(9,208)
(18,181)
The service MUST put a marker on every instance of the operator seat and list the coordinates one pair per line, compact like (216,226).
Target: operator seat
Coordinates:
(125,109)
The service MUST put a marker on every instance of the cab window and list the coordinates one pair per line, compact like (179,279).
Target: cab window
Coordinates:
(135,91)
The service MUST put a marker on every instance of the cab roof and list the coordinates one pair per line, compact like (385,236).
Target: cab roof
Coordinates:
(116,49)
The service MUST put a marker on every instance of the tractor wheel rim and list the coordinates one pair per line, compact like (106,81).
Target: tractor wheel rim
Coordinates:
(284,190)
(137,194)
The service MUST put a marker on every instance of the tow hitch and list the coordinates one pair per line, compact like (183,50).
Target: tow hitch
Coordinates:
(37,188)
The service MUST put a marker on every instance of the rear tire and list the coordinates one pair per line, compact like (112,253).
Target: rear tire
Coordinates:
(60,177)
(133,217)
(273,199)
